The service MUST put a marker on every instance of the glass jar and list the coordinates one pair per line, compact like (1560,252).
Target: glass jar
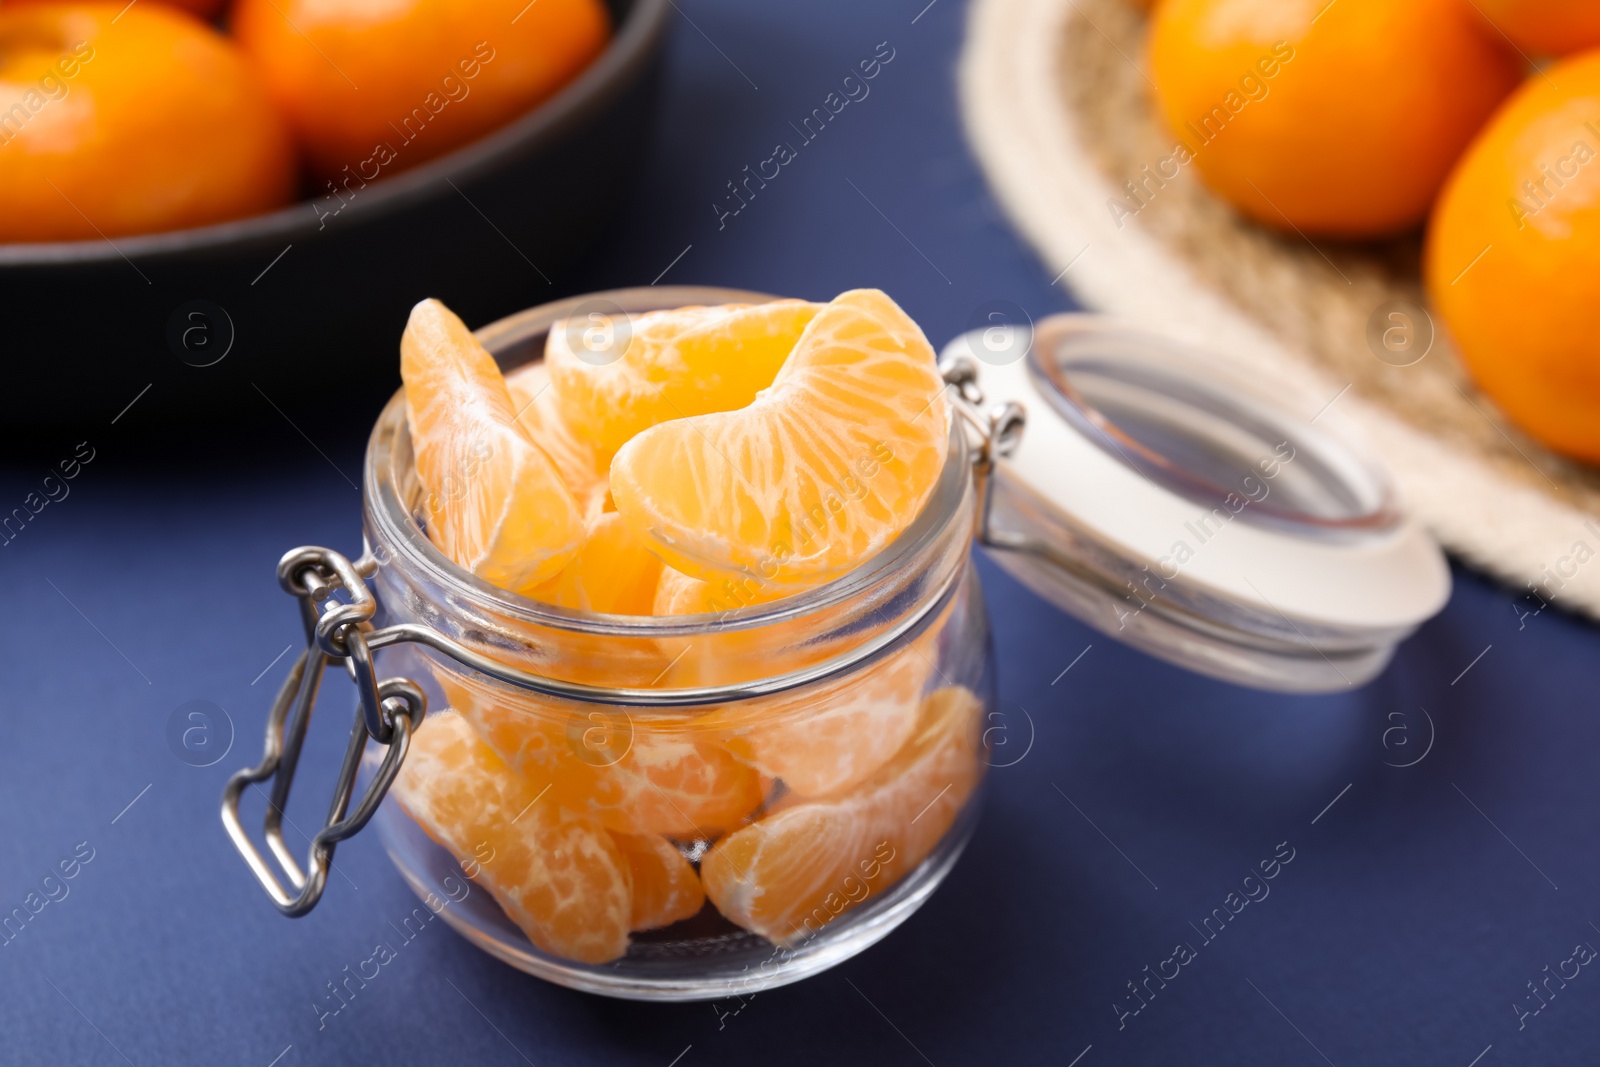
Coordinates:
(816,758)
(687,807)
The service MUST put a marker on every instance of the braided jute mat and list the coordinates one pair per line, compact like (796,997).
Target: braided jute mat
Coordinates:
(1059,112)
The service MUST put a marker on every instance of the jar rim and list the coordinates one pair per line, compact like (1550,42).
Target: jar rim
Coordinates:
(399,531)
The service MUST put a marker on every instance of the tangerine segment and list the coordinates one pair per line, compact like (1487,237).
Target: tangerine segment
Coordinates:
(574,455)
(603,367)
(820,740)
(724,654)
(495,503)
(815,476)
(679,594)
(616,376)
(666,888)
(615,572)
(789,874)
(558,876)
(632,777)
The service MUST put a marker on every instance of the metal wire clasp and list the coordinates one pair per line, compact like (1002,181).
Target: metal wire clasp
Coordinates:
(336,630)
(994,433)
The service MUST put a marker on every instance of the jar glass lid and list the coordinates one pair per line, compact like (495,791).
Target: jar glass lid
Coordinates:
(1182,512)
(1143,404)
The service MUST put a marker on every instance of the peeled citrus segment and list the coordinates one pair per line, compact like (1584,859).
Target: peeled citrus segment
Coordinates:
(614,573)
(618,375)
(678,594)
(573,453)
(823,739)
(666,888)
(556,875)
(787,875)
(634,775)
(826,737)
(815,476)
(494,502)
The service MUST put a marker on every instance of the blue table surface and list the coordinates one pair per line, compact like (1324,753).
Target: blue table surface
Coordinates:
(1420,904)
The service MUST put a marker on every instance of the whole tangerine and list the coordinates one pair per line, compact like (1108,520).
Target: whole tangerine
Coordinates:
(374,87)
(1545,27)
(130,120)
(1339,119)
(1513,258)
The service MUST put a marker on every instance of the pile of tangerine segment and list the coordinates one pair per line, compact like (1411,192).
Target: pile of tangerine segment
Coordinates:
(690,471)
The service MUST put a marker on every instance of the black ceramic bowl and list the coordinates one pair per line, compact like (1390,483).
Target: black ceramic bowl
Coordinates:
(190,326)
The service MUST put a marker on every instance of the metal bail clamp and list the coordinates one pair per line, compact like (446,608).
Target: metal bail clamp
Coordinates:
(336,631)
(993,433)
